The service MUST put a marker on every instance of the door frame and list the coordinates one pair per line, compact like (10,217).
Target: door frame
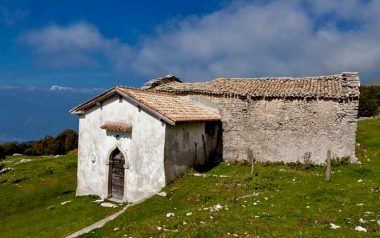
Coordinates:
(109,175)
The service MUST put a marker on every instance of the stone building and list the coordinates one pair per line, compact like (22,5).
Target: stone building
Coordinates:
(167,126)
(132,142)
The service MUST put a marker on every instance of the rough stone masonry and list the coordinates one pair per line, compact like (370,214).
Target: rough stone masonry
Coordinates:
(279,119)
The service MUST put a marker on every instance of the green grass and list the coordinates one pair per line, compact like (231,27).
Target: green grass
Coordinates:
(31,196)
(292,201)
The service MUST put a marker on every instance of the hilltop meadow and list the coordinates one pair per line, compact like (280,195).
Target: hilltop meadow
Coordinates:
(37,199)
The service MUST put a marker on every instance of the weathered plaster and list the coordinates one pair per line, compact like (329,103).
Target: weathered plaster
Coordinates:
(283,129)
(143,149)
(188,145)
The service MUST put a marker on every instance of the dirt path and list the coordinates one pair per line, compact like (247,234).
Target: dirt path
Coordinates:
(101,223)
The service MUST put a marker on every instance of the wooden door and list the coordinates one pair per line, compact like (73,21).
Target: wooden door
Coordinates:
(116,184)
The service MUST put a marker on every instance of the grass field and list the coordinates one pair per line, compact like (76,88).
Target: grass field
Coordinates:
(31,196)
(289,201)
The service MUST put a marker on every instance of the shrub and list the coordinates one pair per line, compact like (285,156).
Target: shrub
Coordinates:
(340,160)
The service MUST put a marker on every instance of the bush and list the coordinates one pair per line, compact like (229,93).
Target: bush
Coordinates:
(341,161)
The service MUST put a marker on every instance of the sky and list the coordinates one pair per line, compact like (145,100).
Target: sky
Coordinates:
(56,54)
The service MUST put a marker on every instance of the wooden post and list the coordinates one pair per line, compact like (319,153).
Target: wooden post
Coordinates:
(251,158)
(328,166)
(252,166)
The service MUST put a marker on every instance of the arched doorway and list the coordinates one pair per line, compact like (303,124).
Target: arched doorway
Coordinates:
(116,175)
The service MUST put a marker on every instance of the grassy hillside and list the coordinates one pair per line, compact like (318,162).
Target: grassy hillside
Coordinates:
(290,201)
(31,195)
(282,201)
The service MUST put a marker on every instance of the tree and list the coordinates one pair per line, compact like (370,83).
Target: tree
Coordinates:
(50,146)
(9,148)
(38,148)
(369,101)
(30,151)
(2,153)
(71,141)
(22,147)
(64,142)
(67,141)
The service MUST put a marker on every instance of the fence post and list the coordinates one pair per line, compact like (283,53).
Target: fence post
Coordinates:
(251,159)
(328,166)
(252,165)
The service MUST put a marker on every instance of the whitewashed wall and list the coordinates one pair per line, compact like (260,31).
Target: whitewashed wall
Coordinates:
(143,149)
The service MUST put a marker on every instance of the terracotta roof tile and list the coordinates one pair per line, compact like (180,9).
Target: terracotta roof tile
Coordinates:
(169,105)
(120,127)
(332,86)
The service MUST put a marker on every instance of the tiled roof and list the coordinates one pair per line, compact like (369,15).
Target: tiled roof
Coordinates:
(166,106)
(120,127)
(333,86)
(170,106)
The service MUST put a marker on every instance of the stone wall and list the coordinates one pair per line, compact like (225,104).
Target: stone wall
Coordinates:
(287,130)
(281,119)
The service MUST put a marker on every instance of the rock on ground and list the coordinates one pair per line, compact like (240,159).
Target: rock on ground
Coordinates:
(24,161)
(170,214)
(162,194)
(360,229)
(4,170)
(333,226)
(65,202)
(108,204)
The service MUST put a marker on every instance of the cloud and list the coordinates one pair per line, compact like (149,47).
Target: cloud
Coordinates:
(276,38)
(53,88)
(10,17)
(58,88)
(245,39)
(17,87)
(74,46)
(8,87)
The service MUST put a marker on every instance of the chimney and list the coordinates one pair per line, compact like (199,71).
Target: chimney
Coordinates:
(160,81)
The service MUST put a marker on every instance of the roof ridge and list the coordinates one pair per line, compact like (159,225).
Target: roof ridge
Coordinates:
(321,77)
(151,91)
(336,86)
(164,105)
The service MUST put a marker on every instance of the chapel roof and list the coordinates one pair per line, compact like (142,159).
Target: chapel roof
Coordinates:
(333,86)
(167,106)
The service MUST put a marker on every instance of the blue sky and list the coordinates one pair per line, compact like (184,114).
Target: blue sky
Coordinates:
(124,21)
(55,54)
